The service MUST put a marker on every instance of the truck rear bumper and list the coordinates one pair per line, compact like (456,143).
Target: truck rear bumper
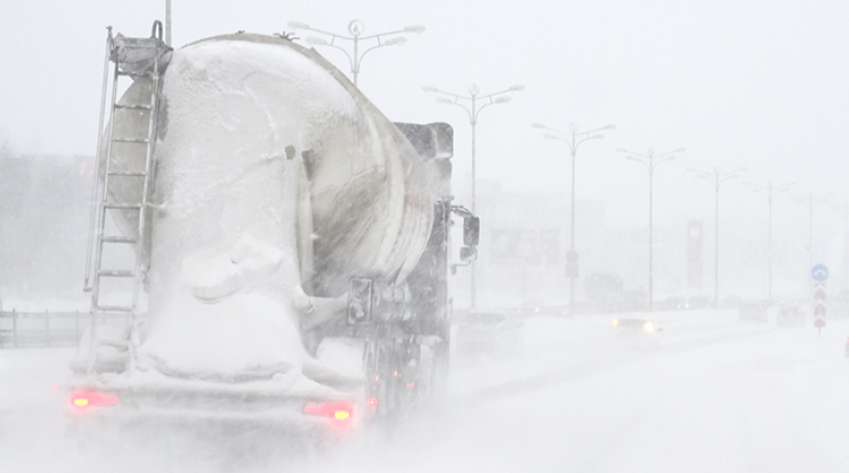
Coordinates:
(214,414)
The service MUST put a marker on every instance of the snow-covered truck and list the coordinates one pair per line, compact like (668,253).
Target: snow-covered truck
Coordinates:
(288,245)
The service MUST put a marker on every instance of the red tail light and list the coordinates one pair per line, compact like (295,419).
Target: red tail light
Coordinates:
(341,411)
(86,399)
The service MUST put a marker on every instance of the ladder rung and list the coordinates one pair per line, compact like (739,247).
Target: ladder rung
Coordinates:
(118,239)
(128,173)
(133,106)
(120,344)
(115,273)
(107,205)
(130,140)
(113,308)
(135,74)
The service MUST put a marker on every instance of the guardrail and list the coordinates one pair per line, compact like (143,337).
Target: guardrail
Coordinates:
(39,329)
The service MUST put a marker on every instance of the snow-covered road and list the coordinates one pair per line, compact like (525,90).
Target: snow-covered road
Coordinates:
(709,394)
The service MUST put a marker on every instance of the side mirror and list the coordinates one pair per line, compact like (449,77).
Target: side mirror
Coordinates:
(468,254)
(444,139)
(471,232)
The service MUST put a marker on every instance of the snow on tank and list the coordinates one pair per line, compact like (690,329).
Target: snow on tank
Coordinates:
(275,179)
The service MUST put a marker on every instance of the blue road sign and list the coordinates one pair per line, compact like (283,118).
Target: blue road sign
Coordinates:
(820,273)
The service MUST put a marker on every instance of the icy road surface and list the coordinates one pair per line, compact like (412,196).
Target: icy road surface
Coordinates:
(707,394)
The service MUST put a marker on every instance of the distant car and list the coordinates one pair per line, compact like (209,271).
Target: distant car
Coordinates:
(753,312)
(672,303)
(637,334)
(636,325)
(790,314)
(487,334)
(700,302)
(541,308)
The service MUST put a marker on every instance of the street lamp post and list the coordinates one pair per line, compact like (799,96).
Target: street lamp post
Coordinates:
(573,138)
(168,22)
(356,29)
(770,190)
(716,177)
(844,211)
(476,103)
(650,160)
(810,200)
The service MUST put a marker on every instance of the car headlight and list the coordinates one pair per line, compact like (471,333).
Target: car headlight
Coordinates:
(615,322)
(649,326)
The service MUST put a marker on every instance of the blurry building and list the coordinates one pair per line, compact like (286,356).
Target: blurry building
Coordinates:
(44,216)
(525,237)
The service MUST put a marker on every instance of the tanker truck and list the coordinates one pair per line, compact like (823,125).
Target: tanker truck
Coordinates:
(267,248)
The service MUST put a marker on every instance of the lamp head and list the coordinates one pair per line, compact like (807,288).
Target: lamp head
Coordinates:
(443,100)
(414,29)
(298,25)
(396,41)
(502,100)
(429,88)
(517,88)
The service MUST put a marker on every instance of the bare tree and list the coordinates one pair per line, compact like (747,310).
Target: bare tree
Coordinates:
(6,149)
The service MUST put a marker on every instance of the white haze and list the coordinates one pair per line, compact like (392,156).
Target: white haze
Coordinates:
(711,395)
(758,84)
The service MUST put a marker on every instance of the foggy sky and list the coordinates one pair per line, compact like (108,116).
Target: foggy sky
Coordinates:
(755,84)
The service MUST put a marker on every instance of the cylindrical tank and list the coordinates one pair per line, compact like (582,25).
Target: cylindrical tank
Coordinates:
(275,176)
(371,195)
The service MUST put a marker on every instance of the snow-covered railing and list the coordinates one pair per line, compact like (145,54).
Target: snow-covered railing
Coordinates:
(38,329)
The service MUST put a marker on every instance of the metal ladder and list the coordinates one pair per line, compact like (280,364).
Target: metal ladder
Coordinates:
(119,51)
